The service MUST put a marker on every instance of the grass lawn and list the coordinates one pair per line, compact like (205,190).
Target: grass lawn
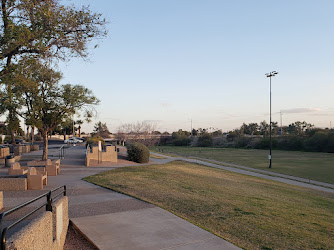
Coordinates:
(250,212)
(157,156)
(309,165)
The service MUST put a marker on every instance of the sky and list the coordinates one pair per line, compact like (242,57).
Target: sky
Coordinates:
(171,62)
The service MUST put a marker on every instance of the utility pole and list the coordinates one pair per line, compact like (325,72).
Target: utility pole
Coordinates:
(270,75)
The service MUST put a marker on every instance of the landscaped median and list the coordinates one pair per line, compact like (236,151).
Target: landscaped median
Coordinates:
(250,212)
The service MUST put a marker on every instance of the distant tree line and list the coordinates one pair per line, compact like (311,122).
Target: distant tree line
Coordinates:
(298,135)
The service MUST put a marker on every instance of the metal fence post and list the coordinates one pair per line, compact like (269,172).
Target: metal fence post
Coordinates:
(3,239)
(49,202)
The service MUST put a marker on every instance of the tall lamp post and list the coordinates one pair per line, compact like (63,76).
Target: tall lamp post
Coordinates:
(270,75)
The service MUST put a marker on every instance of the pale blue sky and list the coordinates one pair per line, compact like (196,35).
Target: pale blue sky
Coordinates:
(171,61)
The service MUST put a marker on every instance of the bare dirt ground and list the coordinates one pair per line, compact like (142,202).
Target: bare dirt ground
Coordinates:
(74,240)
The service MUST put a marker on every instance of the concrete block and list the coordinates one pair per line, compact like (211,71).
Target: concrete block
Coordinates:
(10,183)
(1,200)
(60,222)
(36,235)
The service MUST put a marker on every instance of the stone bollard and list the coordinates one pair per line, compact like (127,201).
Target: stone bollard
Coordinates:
(34,147)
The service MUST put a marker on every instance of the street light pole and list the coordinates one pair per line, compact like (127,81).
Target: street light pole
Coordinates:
(270,75)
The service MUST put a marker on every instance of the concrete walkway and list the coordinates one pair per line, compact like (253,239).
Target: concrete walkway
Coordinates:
(112,220)
(321,186)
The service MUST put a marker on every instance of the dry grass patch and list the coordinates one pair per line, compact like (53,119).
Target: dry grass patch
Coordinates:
(157,156)
(250,212)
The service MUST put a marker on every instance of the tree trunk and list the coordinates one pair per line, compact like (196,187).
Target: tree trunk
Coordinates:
(12,135)
(45,144)
(32,135)
(27,134)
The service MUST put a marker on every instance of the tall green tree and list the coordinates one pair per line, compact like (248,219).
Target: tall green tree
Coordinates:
(44,28)
(101,129)
(47,103)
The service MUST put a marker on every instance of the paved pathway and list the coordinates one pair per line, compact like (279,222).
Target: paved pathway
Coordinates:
(115,221)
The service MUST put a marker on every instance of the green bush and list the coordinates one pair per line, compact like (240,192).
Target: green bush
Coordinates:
(138,152)
(330,148)
(264,143)
(243,142)
(94,141)
(291,143)
(164,140)
(318,142)
(205,140)
(182,140)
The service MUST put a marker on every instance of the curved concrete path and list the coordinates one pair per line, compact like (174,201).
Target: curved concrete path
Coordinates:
(112,220)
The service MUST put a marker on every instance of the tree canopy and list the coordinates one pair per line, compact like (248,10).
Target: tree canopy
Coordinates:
(47,30)
(47,103)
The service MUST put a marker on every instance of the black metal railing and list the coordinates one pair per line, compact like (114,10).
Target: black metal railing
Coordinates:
(47,204)
(62,152)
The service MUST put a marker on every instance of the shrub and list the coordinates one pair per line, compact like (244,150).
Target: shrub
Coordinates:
(94,141)
(264,143)
(243,142)
(291,143)
(182,140)
(330,148)
(164,140)
(318,142)
(219,142)
(232,136)
(205,140)
(138,152)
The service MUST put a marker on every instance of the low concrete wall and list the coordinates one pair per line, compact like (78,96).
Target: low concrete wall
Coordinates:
(110,154)
(47,231)
(1,200)
(13,184)
(34,147)
(4,152)
(39,163)
(60,222)
(26,149)
(35,235)
(18,150)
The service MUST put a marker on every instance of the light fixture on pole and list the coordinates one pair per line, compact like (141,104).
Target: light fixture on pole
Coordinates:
(270,75)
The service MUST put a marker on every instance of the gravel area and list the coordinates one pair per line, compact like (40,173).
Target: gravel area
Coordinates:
(74,240)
